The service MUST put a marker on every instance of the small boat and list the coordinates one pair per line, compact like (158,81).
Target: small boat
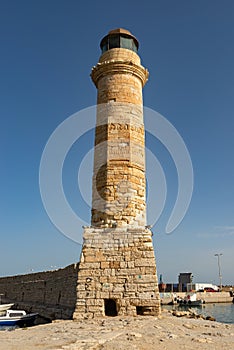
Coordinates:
(17,318)
(4,307)
(191,300)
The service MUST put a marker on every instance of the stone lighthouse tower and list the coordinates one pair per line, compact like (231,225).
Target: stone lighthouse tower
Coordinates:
(117,271)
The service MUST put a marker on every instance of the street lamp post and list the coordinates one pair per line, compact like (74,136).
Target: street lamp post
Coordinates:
(219,266)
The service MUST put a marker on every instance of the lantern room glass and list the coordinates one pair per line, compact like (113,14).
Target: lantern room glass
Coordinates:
(118,41)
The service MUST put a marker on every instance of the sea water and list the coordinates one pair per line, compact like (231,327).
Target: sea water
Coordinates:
(222,312)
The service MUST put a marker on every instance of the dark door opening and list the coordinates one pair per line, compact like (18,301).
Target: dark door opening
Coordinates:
(140,310)
(143,310)
(110,307)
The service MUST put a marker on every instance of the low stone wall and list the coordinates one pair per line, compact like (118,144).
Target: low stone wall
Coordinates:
(52,293)
(215,297)
(210,297)
(207,297)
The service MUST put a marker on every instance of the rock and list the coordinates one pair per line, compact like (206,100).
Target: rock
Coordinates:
(210,318)
(180,313)
(219,334)
(192,312)
(172,336)
(137,335)
(188,325)
(132,335)
(157,327)
(202,340)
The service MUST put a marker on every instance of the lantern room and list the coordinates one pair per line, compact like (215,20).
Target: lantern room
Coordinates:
(119,38)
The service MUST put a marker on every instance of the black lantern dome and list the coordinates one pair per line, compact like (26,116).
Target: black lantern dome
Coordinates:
(119,38)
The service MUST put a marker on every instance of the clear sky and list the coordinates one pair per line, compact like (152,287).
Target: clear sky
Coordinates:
(47,51)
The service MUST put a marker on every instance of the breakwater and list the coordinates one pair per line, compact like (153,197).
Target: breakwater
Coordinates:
(207,297)
(217,297)
(51,293)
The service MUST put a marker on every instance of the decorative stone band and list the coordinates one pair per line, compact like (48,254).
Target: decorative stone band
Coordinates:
(119,67)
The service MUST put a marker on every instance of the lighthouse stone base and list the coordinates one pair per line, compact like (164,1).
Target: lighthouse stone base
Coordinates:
(117,274)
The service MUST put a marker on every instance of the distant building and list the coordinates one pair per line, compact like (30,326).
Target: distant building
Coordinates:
(184,279)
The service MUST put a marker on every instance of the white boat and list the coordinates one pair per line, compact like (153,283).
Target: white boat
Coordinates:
(17,318)
(191,300)
(4,307)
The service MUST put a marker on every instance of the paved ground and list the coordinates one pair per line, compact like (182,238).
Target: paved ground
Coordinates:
(123,333)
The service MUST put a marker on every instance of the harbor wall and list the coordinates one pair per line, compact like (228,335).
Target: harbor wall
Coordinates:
(52,293)
(215,297)
(211,297)
(207,297)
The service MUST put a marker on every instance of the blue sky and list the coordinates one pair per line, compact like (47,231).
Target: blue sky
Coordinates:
(47,51)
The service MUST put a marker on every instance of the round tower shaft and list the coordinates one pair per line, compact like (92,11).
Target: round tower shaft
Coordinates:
(118,197)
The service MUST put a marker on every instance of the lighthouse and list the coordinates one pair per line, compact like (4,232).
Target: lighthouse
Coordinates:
(117,270)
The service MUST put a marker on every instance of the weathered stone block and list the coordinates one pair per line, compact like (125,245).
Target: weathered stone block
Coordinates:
(114,264)
(144,262)
(105,265)
(90,266)
(103,295)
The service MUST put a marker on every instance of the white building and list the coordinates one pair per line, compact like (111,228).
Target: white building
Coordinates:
(200,286)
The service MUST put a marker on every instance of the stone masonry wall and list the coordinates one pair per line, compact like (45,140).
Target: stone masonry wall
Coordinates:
(119,166)
(119,157)
(52,293)
(120,265)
